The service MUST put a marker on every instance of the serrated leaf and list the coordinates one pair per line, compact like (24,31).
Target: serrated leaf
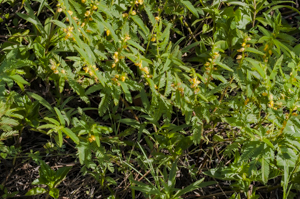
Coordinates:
(223,66)
(141,24)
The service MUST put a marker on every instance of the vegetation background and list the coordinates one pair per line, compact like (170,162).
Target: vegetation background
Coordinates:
(149,99)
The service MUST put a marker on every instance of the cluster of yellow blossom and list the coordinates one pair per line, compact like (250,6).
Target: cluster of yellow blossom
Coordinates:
(211,61)
(127,37)
(116,57)
(91,70)
(60,7)
(54,66)
(139,2)
(195,82)
(153,39)
(133,12)
(144,69)
(178,87)
(68,32)
(268,52)
(271,102)
(117,77)
(242,49)
(92,138)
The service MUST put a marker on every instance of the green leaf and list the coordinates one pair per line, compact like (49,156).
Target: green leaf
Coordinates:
(193,186)
(253,50)
(60,116)
(224,66)
(133,43)
(141,24)
(257,66)
(41,101)
(126,91)
(60,138)
(190,6)
(265,170)
(72,135)
(149,13)
(60,174)
(54,192)
(35,191)
(78,89)
(104,104)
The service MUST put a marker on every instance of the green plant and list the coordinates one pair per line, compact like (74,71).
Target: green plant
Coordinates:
(210,86)
(50,178)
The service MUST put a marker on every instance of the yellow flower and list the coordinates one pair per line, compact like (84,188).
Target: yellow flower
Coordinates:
(141,2)
(113,65)
(87,13)
(63,71)
(127,37)
(59,9)
(56,72)
(239,57)
(266,47)
(271,104)
(116,55)
(75,18)
(124,15)
(153,39)
(70,12)
(107,32)
(241,50)
(139,64)
(155,86)
(181,89)
(86,69)
(207,64)
(157,18)
(94,7)
(69,34)
(270,52)
(246,101)
(83,1)
(133,12)
(244,44)
(145,69)
(123,78)
(195,82)
(92,138)
(70,28)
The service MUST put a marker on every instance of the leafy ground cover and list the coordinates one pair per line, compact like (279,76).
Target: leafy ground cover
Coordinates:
(149,99)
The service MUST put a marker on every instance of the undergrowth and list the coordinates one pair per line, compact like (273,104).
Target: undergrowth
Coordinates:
(153,99)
